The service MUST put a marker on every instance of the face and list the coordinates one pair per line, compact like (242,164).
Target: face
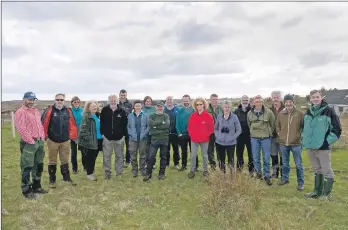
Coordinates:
(93,108)
(199,105)
(245,101)
(316,99)
(186,101)
(258,103)
(276,98)
(60,100)
(227,109)
(30,103)
(159,109)
(76,103)
(113,101)
(289,104)
(214,101)
(148,102)
(137,107)
(123,96)
(169,101)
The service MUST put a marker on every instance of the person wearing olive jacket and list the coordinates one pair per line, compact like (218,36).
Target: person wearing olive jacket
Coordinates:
(90,139)
(261,122)
(322,128)
(289,126)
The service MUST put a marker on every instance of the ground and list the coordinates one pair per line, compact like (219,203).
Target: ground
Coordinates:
(175,203)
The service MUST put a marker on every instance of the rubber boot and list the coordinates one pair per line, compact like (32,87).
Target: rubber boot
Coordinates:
(327,188)
(37,187)
(318,186)
(52,169)
(29,194)
(64,169)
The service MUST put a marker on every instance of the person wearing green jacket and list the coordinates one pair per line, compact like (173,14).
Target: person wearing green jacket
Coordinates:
(214,109)
(159,129)
(261,122)
(322,128)
(148,109)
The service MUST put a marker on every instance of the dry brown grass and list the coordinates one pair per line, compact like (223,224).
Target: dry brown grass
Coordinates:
(342,143)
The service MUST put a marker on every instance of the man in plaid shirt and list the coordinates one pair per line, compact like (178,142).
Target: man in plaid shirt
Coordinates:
(29,126)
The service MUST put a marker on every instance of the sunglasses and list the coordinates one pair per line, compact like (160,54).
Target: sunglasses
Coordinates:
(59,99)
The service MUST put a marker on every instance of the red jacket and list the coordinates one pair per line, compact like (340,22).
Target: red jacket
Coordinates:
(200,127)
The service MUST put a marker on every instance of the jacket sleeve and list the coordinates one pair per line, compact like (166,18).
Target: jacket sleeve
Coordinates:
(272,122)
(238,128)
(147,131)
(211,125)
(217,124)
(178,122)
(166,124)
(189,125)
(20,123)
(248,119)
(335,128)
(131,127)
(73,130)
(84,131)
(102,121)
(153,122)
(278,125)
(125,124)
(42,131)
(46,119)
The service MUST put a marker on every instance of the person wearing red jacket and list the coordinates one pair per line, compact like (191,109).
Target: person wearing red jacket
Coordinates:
(200,126)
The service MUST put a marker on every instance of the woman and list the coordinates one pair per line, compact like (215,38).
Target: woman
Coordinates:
(90,139)
(200,126)
(227,129)
(77,113)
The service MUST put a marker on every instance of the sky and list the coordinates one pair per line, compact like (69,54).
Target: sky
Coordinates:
(158,49)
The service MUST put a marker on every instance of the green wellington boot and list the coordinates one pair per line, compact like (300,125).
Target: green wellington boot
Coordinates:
(328,184)
(318,186)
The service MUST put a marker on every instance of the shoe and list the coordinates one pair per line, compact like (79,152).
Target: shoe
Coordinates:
(64,170)
(268,181)
(327,188)
(191,175)
(300,187)
(177,167)
(126,165)
(36,187)
(183,168)
(283,182)
(259,176)
(135,175)
(154,166)
(161,176)
(318,186)
(52,185)
(205,173)
(107,175)
(30,195)
(92,177)
(147,177)
(196,170)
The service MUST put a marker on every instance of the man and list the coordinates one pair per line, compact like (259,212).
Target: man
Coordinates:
(322,128)
(113,128)
(148,109)
(276,155)
(138,130)
(261,122)
(126,106)
(214,109)
(289,127)
(159,129)
(244,139)
(172,111)
(28,124)
(182,118)
(60,127)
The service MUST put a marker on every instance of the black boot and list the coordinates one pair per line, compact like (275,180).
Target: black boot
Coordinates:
(29,194)
(52,169)
(64,170)
(37,187)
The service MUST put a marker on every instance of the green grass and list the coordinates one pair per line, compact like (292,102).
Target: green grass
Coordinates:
(175,203)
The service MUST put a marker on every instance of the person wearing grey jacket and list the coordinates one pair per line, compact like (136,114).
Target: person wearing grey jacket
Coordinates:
(227,129)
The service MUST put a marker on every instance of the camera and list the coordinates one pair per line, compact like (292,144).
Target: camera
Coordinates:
(225,130)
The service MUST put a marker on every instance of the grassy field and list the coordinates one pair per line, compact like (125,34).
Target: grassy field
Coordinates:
(175,203)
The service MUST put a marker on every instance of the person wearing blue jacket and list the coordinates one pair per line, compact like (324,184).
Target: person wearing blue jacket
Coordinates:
(77,113)
(138,131)
(227,129)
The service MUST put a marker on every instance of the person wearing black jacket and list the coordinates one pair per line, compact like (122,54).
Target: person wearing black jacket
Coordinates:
(113,127)
(244,139)
(127,107)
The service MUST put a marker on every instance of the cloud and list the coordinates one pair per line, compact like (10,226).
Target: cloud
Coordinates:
(9,51)
(317,58)
(291,22)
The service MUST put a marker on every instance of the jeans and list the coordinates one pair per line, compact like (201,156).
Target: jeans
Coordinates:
(155,145)
(258,144)
(296,152)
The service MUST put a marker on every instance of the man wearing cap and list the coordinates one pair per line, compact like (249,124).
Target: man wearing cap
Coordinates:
(60,127)
(28,124)
(289,126)
(159,129)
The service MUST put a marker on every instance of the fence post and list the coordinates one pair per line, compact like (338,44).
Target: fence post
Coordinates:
(13,125)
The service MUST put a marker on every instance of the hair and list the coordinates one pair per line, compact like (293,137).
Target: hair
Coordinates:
(213,95)
(186,95)
(258,97)
(123,91)
(75,98)
(227,103)
(314,92)
(276,92)
(88,104)
(169,97)
(115,96)
(136,102)
(147,97)
(201,99)
(60,94)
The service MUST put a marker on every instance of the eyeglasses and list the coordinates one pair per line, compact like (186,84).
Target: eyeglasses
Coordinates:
(59,99)
(198,104)
(76,102)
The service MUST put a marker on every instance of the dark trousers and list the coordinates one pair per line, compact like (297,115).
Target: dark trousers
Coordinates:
(174,141)
(74,148)
(222,151)
(185,140)
(242,141)
(90,156)
(155,145)
(211,150)
(127,157)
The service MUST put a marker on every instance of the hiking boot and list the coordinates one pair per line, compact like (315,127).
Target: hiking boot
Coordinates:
(52,169)
(107,175)
(36,187)
(283,182)
(183,168)
(177,167)
(147,177)
(300,187)
(161,176)
(205,173)
(327,188)
(30,195)
(191,175)
(92,177)
(64,170)
(318,186)
(259,176)
(196,170)
(268,181)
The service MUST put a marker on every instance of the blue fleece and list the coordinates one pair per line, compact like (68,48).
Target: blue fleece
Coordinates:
(78,113)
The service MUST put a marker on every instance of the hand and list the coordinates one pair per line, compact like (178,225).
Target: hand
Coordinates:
(163,122)
(154,127)
(180,135)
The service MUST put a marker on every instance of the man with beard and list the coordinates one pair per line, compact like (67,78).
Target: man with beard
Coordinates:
(276,155)
(31,131)
(128,107)
(244,138)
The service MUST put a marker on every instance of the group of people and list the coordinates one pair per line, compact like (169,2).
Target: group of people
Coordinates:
(144,128)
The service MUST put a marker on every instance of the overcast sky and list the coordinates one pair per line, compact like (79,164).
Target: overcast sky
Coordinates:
(159,49)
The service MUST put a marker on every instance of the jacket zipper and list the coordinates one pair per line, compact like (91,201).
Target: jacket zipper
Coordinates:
(287,136)
(61,123)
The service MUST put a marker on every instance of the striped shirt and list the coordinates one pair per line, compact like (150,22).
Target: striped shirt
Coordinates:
(28,124)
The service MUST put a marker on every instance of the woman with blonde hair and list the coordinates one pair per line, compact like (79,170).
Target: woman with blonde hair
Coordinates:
(200,126)
(90,139)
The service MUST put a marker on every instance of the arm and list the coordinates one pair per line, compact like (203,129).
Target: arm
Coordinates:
(125,124)
(335,128)
(211,125)
(153,122)
(147,126)
(42,132)
(278,125)
(130,126)
(272,122)
(178,123)
(84,131)
(248,119)
(189,125)
(164,124)
(20,123)
(73,130)
(238,128)
(217,124)
(102,121)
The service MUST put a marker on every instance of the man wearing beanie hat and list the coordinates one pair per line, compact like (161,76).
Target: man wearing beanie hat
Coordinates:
(289,126)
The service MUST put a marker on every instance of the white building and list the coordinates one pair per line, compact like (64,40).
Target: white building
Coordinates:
(338,100)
